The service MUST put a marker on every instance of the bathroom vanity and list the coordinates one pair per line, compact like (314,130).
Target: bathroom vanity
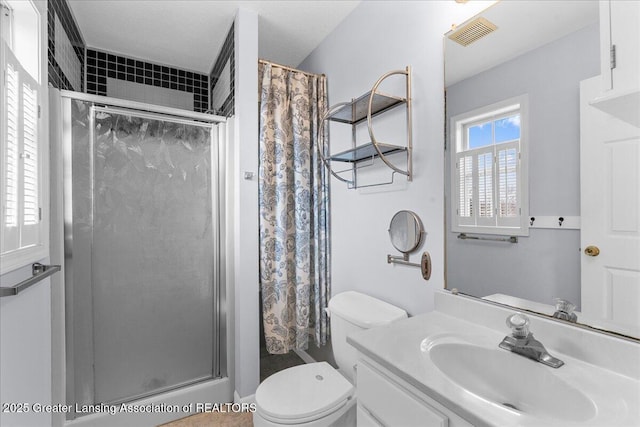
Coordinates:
(444,368)
(386,399)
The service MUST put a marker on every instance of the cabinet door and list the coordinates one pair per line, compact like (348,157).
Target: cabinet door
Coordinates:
(619,27)
(391,405)
(365,419)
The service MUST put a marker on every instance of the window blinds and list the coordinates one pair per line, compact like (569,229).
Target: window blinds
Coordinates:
(11,159)
(20,159)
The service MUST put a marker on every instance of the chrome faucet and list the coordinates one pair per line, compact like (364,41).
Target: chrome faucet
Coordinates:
(523,343)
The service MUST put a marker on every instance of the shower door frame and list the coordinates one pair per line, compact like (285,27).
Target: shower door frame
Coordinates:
(218,173)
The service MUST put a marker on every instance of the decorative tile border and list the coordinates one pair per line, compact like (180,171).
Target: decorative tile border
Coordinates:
(102,65)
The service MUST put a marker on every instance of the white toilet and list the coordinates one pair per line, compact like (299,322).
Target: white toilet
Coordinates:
(316,394)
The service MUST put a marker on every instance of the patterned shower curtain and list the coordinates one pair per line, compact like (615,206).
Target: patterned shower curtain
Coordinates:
(294,209)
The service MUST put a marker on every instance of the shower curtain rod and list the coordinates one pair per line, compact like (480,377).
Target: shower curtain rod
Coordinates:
(284,67)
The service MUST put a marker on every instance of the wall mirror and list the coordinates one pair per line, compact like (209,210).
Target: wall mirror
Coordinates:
(405,231)
(538,51)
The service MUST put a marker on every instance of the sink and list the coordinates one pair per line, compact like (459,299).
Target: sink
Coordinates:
(509,380)
(449,359)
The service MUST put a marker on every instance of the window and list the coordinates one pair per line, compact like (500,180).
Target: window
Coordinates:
(488,169)
(23,236)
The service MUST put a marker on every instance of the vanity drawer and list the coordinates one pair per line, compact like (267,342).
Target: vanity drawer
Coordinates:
(391,405)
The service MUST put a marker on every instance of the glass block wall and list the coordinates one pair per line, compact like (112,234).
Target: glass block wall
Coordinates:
(66,48)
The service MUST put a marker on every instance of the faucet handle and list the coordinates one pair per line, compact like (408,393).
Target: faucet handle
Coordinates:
(564,310)
(519,324)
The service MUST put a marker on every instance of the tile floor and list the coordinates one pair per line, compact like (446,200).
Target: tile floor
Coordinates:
(231,419)
(269,364)
(272,363)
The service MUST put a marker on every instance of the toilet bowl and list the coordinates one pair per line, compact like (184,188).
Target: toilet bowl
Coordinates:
(316,394)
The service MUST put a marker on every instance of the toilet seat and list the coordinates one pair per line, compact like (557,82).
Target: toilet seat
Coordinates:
(303,394)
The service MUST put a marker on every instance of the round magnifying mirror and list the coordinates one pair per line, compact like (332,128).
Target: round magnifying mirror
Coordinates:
(405,231)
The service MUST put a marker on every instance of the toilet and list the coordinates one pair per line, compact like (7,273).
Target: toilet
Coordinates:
(316,394)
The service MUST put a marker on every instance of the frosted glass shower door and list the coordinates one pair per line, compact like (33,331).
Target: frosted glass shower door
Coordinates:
(153,254)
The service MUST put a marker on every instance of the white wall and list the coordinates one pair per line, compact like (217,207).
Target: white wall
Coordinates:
(25,350)
(379,36)
(25,319)
(245,193)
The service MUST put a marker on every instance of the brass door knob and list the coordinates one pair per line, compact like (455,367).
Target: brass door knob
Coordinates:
(592,250)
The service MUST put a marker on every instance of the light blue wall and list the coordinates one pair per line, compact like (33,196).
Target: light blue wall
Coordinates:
(547,263)
(375,38)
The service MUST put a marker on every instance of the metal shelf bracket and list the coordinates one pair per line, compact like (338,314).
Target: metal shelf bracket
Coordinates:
(356,111)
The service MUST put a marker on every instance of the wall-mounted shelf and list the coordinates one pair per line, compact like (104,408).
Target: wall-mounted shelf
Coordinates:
(624,105)
(361,109)
(357,110)
(366,152)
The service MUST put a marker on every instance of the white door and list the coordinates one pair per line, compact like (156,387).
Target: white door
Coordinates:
(610,210)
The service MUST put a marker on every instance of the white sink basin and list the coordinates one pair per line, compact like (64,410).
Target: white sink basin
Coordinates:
(450,357)
(509,380)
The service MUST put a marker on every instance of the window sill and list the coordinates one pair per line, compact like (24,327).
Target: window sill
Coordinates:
(22,257)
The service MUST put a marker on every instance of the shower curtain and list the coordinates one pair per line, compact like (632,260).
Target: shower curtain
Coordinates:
(294,209)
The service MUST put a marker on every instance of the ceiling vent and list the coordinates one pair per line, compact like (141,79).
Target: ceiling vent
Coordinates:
(473,31)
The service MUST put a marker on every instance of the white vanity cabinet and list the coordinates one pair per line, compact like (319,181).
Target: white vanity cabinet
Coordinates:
(386,400)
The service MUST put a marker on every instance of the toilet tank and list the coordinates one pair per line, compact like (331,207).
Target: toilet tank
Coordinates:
(350,312)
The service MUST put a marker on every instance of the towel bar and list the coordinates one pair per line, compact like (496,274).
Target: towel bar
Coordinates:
(510,239)
(39,272)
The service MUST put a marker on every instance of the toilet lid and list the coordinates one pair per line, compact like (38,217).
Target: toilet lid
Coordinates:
(306,392)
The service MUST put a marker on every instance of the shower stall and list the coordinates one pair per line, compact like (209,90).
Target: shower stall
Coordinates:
(142,207)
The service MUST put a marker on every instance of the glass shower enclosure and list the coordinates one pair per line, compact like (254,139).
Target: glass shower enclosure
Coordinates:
(142,252)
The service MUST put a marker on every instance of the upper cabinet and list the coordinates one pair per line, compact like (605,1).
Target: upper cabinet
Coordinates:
(620,60)
(620,41)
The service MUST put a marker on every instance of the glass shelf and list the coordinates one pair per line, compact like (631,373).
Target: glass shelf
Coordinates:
(365,152)
(356,110)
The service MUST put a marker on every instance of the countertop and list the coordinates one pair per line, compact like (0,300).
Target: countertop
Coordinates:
(399,348)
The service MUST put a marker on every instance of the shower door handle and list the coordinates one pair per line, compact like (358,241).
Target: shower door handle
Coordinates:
(38,272)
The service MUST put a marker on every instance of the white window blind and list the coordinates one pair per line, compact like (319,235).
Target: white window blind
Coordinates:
(465,185)
(30,154)
(21,198)
(11,151)
(487,176)
(23,225)
(485,185)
